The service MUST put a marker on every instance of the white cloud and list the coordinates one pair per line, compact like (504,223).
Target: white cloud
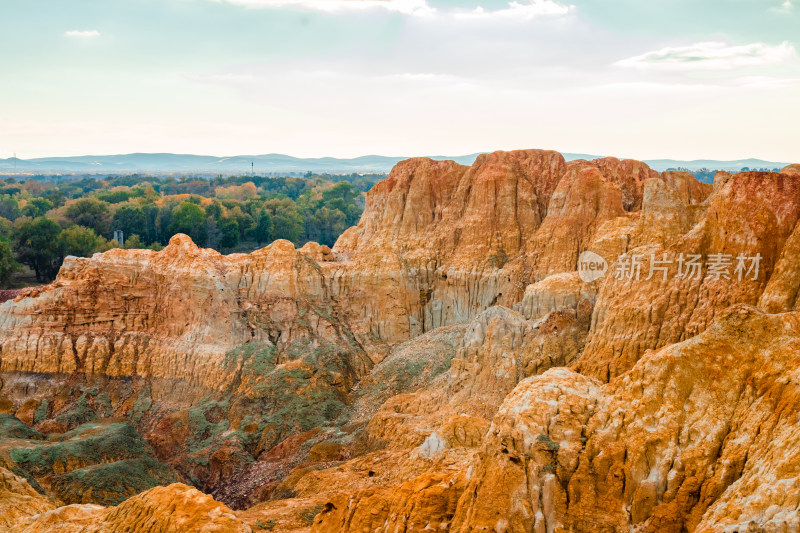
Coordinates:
(785,7)
(420,8)
(407,7)
(711,56)
(82,34)
(520,11)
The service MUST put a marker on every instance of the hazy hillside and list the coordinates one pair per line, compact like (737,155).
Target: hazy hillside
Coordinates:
(280,163)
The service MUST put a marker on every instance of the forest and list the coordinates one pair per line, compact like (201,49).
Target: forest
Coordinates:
(46,218)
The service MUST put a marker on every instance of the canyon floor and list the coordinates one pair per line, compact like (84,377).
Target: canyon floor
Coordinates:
(444,367)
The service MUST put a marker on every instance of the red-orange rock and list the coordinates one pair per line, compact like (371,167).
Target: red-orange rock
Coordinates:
(472,380)
(750,214)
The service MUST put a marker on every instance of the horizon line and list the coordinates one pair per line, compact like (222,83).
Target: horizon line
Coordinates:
(15,156)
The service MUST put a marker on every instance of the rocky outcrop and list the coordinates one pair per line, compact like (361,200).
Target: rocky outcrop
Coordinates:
(427,502)
(555,293)
(750,215)
(498,348)
(443,366)
(531,450)
(699,436)
(18,500)
(438,241)
(172,509)
(791,170)
(782,293)
(583,200)
(102,462)
(444,241)
(672,206)
(171,314)
(629,175)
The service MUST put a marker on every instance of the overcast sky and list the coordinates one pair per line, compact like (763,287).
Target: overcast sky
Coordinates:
(632,78)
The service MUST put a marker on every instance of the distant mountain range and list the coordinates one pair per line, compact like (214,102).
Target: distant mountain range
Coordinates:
(280,163)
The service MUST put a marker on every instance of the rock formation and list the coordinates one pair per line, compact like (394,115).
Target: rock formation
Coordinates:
(444,366)
(171,509)
(672,445)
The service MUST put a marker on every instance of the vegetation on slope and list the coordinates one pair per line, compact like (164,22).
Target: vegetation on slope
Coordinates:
(43,220)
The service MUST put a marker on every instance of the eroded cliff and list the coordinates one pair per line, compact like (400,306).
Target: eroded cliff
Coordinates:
(444,366)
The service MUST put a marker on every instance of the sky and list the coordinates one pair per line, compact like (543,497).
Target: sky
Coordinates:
(683,79)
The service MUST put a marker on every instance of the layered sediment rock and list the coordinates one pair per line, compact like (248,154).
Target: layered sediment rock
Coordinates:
(101,462)
(443,366)
(750,215)
(172,509)
(699,436)
(782,292)
(445,241)
(18,500)
(171,314)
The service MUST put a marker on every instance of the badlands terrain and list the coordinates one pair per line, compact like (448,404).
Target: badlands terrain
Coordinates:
(442,368)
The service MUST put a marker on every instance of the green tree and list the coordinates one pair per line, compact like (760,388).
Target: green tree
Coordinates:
(37,244)
(341,190)
(119,196)
(328,225)
(134,242)
(130,219)
(37,207)
(7,264)
(6,227)
(9,208)
(343,197)
(90,213)
(243,221)
(83,242)
(162,222)
(213,234)
(287,223)
(214,209)
(150,234)
(56,196)
(189,218)
(230,233)
(263,231)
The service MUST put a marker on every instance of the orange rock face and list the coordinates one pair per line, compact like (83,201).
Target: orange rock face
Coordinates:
(445,366)
(672,445)
(172,509)
(751,214)
(171,314)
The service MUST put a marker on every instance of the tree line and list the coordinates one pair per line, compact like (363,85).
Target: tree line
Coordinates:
(46,218)
(706,175)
